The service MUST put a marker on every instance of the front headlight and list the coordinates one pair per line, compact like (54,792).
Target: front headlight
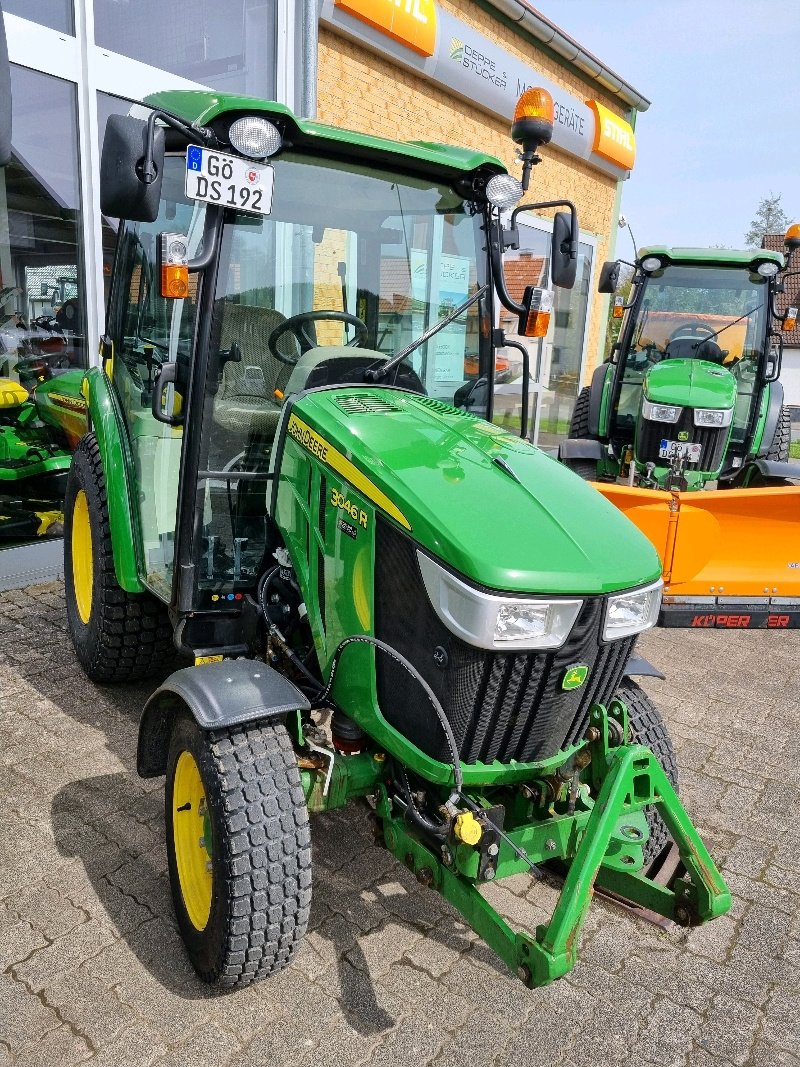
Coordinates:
(503,623)
(660,412)
(713,416)
(630,613)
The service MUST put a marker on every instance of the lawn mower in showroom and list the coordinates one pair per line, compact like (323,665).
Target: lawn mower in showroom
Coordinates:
(684,428)
(383,597)
(38,430)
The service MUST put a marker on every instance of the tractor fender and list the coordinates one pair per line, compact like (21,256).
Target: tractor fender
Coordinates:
(108,425)
(773,416)
(771,469)
(638,666)
(218,696)
(596,398)
(581,448)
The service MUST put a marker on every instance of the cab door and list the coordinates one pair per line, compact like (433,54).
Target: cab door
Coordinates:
(152,342)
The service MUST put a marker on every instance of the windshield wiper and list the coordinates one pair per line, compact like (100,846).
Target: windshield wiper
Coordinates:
(377,374)
(722,329)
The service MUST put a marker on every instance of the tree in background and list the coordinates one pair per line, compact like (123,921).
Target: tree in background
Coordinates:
(769,218)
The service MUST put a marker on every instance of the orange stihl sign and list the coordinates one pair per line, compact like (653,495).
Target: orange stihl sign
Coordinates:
(411,22)
(614,138)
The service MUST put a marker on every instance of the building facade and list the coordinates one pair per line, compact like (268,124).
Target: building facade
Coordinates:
(430,70)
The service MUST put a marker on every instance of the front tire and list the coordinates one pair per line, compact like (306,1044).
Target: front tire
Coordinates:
(649,729)
(239,849)
(584,468)
(116,635)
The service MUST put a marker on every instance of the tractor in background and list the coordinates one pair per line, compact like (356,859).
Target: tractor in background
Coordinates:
(684,428)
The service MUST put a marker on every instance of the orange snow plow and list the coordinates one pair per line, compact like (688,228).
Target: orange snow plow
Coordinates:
(731,559)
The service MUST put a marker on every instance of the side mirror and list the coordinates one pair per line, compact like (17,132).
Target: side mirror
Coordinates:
(5,96)
(609,276)
(564,250)
(126,190)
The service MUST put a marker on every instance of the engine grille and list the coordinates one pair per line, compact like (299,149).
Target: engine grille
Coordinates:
(711,440)
(501,706)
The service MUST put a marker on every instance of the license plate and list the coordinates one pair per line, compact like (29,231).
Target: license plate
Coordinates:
(667,449)
(229,181)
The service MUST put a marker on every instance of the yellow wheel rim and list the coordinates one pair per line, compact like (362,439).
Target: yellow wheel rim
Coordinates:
(82,573)
(191,833)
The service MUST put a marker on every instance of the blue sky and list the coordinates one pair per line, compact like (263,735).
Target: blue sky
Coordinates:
(723,127)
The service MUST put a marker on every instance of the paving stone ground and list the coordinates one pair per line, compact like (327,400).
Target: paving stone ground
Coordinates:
(92,968)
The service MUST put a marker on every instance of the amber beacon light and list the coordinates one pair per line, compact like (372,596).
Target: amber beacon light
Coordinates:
(532,126)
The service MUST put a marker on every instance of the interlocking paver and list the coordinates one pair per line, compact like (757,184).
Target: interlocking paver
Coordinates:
(390,975)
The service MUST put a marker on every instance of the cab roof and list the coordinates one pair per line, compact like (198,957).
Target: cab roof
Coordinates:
(723,257)
(203,107)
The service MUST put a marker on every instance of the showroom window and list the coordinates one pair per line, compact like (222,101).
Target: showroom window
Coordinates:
(559,356)
(226,44)
(57,14)
(42,336)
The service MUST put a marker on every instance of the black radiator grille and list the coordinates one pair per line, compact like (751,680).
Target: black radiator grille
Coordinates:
(501,706)
(711,440)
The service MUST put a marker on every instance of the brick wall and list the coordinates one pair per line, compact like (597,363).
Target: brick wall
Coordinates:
(362,91)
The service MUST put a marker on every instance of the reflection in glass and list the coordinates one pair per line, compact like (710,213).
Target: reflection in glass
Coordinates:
(42,337)
(226,44)
(558,356)
(57,14)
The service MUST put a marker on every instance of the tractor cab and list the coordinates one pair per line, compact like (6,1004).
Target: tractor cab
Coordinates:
(690,394)
(261,263)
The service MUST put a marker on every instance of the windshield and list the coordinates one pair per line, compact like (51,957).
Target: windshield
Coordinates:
(697,312)
(351,265)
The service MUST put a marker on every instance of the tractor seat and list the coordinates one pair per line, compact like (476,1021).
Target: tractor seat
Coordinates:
(246,402)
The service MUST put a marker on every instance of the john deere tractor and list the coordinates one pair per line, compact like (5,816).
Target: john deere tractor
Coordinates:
(381,596)
(690,400)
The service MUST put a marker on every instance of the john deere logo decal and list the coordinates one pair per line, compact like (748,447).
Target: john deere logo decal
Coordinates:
(456,49)
(683,435)
(575,676)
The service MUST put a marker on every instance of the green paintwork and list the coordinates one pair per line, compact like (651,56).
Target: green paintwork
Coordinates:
(605,401)
(718,257)
(60,403)
(202,108)
(112,440)
(761,421)
(690,383)
(594,841)
(432,461)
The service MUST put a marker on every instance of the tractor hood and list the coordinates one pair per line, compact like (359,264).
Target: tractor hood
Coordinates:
(691,383)
(494,508)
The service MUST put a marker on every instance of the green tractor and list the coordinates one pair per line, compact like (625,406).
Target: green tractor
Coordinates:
(690,397)
(690,400)
(382,595)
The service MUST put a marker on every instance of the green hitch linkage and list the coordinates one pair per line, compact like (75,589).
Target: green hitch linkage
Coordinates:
(629,778)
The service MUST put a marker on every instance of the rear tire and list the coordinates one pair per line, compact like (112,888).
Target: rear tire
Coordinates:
(782,438)
(250,891)
(117,635)
(649,729)
(579,423)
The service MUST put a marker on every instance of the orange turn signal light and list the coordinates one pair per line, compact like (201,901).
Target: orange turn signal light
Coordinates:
(618,309)
(174,281)
(535,104)
(789,320)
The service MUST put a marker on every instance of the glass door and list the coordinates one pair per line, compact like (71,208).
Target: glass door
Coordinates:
(150,332)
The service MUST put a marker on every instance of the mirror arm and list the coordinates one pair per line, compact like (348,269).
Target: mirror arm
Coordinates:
(189,129)
(495,232)
(573,214)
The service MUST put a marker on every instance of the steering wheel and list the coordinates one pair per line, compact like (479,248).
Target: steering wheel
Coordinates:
(690,329)
(296,326)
